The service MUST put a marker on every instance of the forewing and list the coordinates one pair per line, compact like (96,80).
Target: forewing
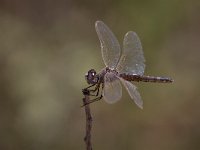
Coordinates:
(134,94)
(112,91)
(132,59)
(110,47)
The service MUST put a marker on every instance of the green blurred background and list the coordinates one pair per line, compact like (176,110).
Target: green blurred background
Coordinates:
(46,47)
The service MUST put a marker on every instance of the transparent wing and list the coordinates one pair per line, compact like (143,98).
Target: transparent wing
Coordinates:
(134,94)
(112,91)
(132,59)
(110,47)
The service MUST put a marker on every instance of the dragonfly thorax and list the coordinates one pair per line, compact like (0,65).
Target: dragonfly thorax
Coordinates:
(91,77)
(114,71)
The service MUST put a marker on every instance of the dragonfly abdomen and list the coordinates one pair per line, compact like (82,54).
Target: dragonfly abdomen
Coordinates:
(144,78)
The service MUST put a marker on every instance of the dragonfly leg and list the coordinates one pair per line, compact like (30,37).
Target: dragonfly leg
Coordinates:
(97,92)
(97,85)
(98,98)
(97,88)
(90,86)
(93,100)
(90,90)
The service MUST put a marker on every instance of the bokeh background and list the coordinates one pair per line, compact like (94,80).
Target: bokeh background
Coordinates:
(46,47)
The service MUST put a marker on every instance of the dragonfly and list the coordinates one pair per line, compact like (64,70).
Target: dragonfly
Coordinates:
(122,67)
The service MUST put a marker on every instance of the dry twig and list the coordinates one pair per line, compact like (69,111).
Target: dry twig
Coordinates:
(87,137)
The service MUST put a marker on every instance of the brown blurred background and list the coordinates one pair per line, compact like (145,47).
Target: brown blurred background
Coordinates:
(46,47)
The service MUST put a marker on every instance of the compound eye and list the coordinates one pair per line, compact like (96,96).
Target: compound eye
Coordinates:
(91,76)
(92,72)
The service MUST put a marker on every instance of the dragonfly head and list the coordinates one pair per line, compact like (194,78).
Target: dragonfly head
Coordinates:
(91,77)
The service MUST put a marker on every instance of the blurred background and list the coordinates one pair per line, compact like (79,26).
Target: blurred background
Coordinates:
(46,47)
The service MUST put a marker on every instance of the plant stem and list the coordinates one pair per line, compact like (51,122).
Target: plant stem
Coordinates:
(86,101)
